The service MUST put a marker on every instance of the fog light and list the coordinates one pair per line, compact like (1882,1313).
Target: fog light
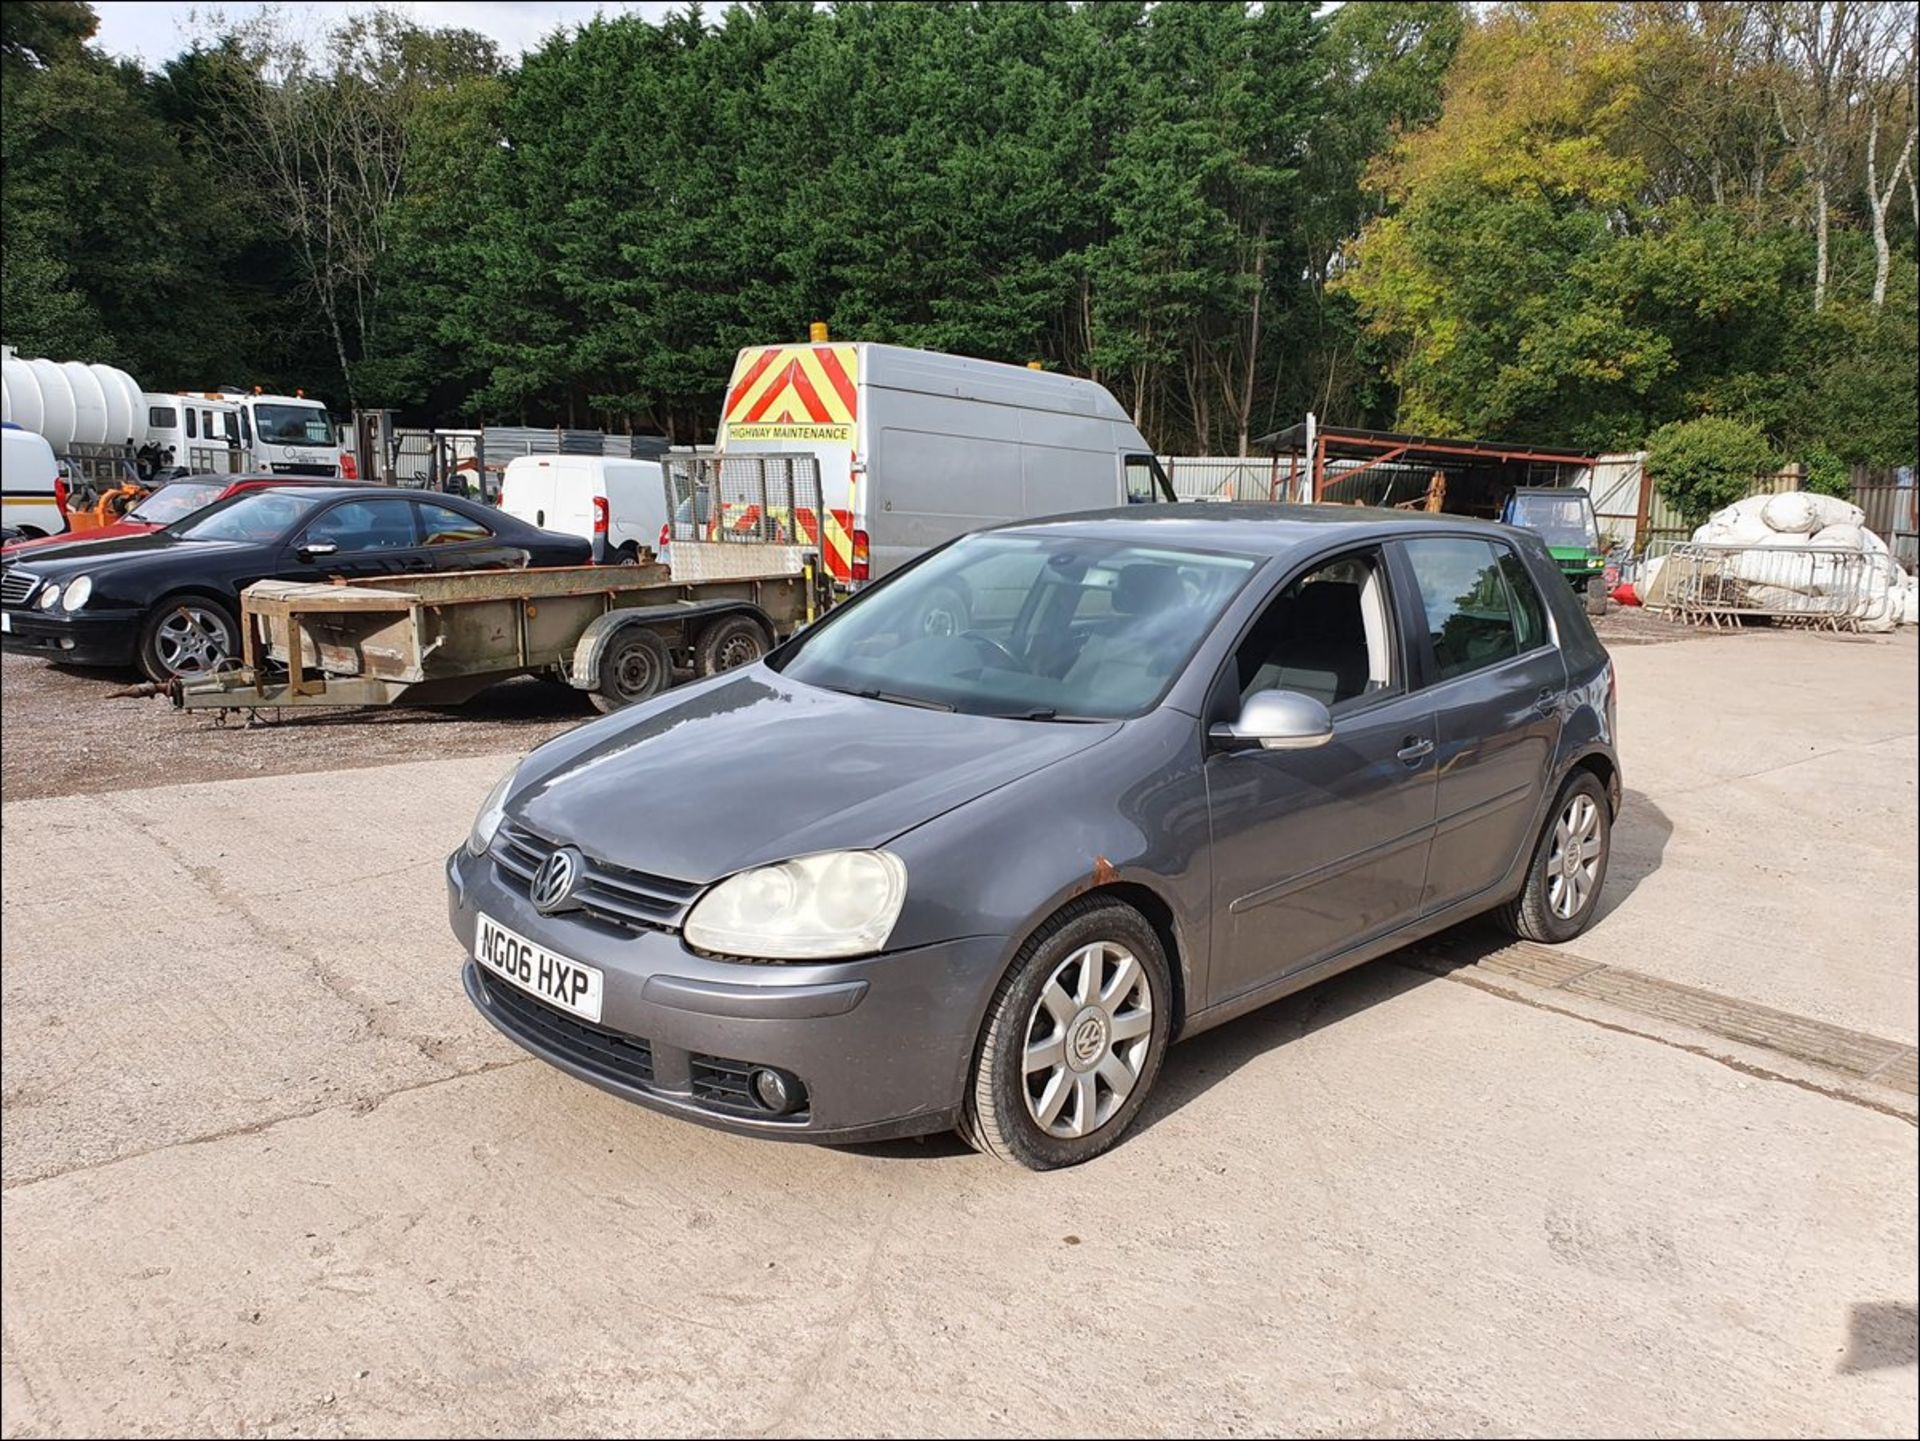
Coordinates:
(772,1090)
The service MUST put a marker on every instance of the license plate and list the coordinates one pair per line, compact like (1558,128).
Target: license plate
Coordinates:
(567,984)
(6,621)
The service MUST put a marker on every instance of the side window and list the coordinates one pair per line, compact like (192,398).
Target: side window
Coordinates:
(1529,611)
(1327,635)
(364,525)
(231,423)
(1464,595)
(443,525)
(1146,484)
(162,417)
(192,434)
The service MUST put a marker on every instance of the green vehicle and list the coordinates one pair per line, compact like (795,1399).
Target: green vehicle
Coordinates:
(1565,520)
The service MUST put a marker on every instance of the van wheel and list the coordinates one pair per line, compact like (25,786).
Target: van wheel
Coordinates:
(1073,1039)
(1569,866)
(729,643)
(946,613)
(634,667)
(190,635)
(628,554)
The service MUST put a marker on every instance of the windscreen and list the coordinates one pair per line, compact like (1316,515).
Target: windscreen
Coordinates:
(1562,520)
(256,515)
(176,501)
(293,424)
(1034,627)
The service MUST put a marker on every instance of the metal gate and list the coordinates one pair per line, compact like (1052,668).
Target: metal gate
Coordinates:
(733,515)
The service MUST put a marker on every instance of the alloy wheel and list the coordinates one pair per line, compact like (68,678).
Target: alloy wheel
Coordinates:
(1573,860)
(193,640)
(1087,1040)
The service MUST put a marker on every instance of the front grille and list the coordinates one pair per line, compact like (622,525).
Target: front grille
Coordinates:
(608,1054)
(16,585)
(612,893)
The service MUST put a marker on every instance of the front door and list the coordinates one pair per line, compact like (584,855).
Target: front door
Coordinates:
(1317,850)
(1498,685)
(370,537)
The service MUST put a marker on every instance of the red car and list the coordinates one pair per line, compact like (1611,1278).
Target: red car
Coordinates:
(175,500)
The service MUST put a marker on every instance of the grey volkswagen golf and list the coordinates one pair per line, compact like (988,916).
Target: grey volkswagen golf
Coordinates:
(973,850)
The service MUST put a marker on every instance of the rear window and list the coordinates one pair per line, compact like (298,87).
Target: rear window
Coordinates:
(176,501)
(162,417)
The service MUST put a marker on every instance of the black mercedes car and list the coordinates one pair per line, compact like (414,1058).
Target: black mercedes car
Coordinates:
(170,601)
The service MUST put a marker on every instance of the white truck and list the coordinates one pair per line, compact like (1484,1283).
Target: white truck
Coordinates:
(95,415)
(915,447)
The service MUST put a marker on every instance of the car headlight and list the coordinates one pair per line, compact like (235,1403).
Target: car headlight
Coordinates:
(49,598)
(840,903)
(77,592)
(493,810)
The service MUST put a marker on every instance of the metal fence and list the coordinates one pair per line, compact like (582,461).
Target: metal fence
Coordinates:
(1893,514)
(1228,477)
(1819,586)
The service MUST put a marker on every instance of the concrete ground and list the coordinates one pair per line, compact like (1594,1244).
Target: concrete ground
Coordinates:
(267,1173)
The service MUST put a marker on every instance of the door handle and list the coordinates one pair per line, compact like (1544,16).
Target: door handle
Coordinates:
(1548,701)
(1415,748)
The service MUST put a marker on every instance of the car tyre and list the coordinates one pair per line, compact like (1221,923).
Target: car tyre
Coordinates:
(729,643)
(945,612)
(1562,891)
(635,666)
(1097,1034)
(1596,597)
(188,636)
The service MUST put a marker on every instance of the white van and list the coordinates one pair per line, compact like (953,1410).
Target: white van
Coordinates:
(619,506)
(29,477)
(916,447)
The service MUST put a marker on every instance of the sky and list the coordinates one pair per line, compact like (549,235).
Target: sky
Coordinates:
(153,31)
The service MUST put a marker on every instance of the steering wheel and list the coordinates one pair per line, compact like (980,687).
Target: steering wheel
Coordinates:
(991,647)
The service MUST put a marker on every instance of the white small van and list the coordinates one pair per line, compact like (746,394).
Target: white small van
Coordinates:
(29,478)
(619,506)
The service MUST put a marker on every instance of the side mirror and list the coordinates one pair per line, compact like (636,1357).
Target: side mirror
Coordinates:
(314,549)
(1276,720)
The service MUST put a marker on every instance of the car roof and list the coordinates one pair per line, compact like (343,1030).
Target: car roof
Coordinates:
(334,489)
(1248,528)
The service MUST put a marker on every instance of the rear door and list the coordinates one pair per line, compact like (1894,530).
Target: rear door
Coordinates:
(527,492)
(1497,683)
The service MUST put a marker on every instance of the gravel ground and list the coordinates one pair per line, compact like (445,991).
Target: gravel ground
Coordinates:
(67,735)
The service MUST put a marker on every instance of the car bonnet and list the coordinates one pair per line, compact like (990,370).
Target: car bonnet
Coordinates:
(752,768)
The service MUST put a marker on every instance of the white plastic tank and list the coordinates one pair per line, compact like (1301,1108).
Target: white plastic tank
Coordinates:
(72,402)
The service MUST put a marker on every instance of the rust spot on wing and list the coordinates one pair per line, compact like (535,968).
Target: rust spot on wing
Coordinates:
(1102,871)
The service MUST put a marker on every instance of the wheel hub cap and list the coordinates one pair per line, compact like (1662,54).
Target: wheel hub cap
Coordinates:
(1573,862)
(1087,1040)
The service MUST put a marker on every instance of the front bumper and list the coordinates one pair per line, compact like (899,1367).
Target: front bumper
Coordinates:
(103,638)
(882,1045)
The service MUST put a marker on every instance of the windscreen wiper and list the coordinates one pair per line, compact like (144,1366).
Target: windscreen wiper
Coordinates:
(894,698)
(1048,713)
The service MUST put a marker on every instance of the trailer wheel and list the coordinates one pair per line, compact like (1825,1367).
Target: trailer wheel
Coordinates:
(634,667)
(729,643)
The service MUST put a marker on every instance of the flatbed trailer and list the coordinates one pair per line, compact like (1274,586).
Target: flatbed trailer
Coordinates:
(616,632)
